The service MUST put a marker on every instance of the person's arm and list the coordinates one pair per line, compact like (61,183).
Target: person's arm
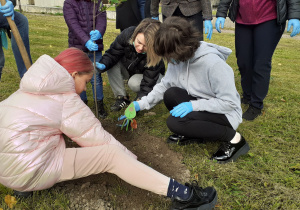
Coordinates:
(116,50)
(223,8)
(206,9)
(73,24)
(14,2)
(154,8)
(81,125)
(293,9)
(226,98)
(150,77)
(101,22)
(157,94)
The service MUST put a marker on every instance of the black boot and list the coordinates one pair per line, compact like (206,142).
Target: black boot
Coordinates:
(20,194)
(200,199)
(101,110)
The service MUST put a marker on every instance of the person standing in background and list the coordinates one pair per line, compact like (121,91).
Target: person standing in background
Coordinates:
(131,13)
(258,29)
(194,11)
(78,15)
(22,25)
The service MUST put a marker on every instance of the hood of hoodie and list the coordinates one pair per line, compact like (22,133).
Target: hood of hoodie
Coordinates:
(46,76)
(208,48)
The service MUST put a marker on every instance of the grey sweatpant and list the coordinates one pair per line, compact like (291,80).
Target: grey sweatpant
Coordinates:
(116,76)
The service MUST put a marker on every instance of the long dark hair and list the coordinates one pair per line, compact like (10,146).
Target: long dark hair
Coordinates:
(176,39)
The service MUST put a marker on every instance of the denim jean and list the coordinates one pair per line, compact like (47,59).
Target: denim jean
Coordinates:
(99,84)
(141,5)
(22,25)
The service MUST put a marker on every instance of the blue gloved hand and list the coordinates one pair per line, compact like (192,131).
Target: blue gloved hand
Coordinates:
(100,66)
(220,20)
(91,45)
(296,26)
(122,117)
(208,28)
(95,35)
(136,106)
(182,109)
(155,18)
(8,9)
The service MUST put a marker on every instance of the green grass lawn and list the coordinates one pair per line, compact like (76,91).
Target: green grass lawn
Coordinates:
(266,178)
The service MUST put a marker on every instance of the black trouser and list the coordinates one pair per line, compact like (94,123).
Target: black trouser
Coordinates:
(255,45)
(196,20)
(196,124)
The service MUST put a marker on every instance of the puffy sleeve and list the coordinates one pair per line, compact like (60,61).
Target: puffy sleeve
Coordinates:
(81,125)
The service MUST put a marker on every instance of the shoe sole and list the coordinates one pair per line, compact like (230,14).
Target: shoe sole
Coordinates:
(208,206)
(244,149)
(191,141)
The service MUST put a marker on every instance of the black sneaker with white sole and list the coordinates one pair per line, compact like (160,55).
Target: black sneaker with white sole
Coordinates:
(120,103)
(200,199)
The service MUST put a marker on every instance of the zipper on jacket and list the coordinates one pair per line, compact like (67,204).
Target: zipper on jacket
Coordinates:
(132,63)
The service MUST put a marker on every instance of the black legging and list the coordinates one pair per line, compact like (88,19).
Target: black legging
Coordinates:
(255,45)
(196,124)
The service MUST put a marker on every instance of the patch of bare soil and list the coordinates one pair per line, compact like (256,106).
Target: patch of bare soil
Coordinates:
(107,191)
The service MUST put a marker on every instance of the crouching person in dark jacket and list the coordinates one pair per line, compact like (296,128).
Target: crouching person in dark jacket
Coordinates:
(131,56)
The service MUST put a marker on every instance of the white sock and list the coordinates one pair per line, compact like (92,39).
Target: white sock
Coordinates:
(236,139)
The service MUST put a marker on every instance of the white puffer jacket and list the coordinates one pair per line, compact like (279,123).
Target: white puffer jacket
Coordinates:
(32,121)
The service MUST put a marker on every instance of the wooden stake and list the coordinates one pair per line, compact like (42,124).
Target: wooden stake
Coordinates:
(18,39)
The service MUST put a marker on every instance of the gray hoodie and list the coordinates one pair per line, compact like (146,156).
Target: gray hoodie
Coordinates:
(206,77)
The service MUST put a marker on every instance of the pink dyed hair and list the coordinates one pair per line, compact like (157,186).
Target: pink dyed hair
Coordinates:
(73,59)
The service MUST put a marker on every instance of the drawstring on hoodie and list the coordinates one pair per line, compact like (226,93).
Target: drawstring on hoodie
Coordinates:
(187,77)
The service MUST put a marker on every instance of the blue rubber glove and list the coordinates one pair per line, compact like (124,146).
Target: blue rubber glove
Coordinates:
(136,106)
(8,9)
(122,117)
(220,20)
(91,45)
(296,26)
(155,18)
(208,28)
(95,35)
(182,109)
(100,66)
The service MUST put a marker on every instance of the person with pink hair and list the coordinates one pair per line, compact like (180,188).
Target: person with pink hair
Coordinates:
(47,105)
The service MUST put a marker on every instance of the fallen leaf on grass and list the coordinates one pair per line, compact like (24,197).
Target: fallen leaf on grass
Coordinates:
(282,100)
(150,114)
(10,201)
(104,83)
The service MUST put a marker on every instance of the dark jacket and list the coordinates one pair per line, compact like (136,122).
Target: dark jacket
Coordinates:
(135,63)
(187,7)
(14,2)
(79,18)
(286,9)
(128,14)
